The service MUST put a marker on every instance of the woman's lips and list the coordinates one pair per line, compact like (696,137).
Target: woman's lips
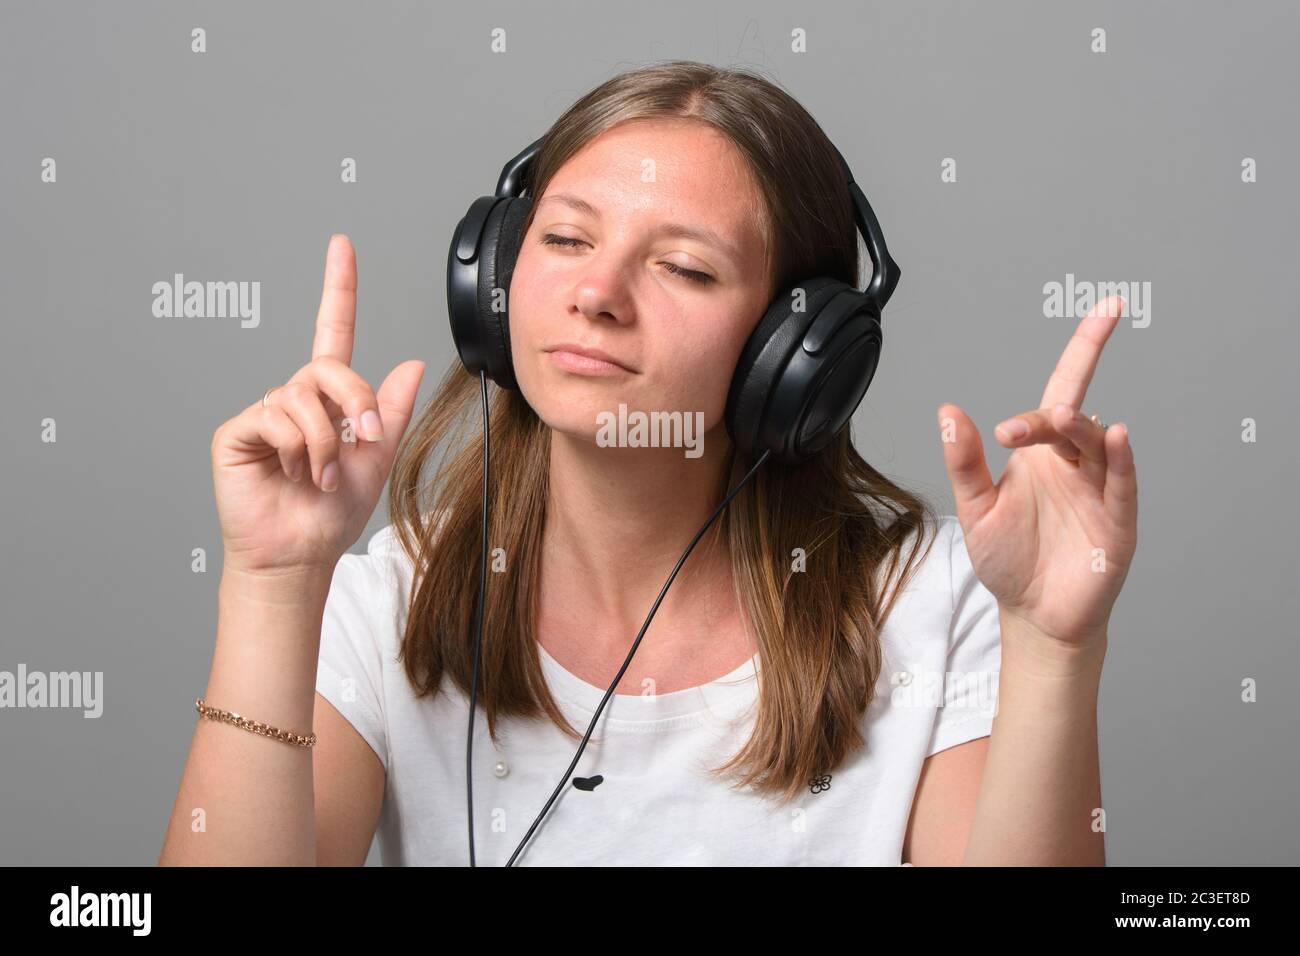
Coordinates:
(585,364)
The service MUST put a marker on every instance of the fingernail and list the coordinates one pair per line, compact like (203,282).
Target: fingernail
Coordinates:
(329,477)
(1014,428)
(371,425)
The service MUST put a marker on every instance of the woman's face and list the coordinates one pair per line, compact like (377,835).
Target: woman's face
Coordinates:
(607,265)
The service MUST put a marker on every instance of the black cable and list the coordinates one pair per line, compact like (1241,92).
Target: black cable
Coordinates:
(478,627)
(635,644)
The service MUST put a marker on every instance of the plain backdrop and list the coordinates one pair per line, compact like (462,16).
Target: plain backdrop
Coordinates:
(225,166)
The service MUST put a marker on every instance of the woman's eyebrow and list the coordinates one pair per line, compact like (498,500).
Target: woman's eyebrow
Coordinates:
(675,229)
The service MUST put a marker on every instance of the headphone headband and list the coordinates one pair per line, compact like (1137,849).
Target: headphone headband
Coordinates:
(884,271)
(510,183)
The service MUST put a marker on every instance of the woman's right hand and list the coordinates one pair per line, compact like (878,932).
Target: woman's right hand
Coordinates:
(292,495)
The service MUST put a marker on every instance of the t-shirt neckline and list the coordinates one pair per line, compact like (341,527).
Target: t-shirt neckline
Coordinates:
(724,696)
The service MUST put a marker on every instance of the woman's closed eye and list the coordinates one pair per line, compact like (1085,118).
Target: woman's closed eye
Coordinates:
(700,278)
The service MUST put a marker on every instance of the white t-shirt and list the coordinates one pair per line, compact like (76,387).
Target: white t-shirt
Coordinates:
(938,687)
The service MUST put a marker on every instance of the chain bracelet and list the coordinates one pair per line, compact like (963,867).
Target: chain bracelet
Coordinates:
(255,726)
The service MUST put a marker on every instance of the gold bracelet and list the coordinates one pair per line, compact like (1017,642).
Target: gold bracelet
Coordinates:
(256,726)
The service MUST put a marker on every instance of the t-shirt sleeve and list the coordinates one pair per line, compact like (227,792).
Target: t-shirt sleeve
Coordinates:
(970,683)
(349,671)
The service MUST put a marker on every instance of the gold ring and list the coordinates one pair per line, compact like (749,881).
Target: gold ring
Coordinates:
(268,394)
(1097,419)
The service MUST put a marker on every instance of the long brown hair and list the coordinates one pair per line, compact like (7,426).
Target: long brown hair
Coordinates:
(817,629)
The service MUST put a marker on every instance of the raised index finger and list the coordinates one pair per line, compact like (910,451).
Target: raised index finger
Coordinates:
(1069,382)
(336,321)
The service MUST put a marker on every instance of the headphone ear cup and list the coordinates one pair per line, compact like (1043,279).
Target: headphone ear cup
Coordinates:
(499,251)
(764,358)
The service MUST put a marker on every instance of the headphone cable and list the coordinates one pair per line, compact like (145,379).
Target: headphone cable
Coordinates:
(478,627)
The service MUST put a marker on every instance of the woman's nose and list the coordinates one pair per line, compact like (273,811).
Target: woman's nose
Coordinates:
(602,293)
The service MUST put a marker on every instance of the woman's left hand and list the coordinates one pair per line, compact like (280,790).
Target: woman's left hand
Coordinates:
(1054,538)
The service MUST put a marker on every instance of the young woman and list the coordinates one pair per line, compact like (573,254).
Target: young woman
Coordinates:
(837,676)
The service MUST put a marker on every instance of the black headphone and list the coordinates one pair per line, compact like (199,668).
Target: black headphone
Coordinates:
(800,376)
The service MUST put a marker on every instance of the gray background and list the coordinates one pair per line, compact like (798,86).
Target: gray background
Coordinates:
(225,166)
